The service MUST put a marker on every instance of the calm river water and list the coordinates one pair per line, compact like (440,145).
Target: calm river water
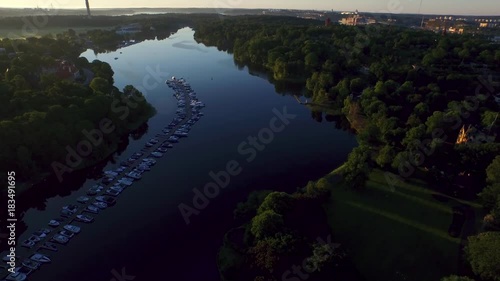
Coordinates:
(144,234)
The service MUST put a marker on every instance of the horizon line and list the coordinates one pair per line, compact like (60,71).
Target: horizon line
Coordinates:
(243,8)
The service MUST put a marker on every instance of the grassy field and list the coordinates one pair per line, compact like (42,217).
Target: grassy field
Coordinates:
(395,234)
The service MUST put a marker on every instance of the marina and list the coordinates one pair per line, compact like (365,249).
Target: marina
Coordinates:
(112,184)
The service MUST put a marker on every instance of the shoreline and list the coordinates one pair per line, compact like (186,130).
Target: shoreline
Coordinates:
(23,187)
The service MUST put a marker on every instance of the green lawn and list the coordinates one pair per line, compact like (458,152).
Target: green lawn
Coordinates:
(398,234)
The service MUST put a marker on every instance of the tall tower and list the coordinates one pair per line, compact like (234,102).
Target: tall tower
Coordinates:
(88,8)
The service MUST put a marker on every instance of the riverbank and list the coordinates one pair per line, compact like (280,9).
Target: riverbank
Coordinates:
(22,187)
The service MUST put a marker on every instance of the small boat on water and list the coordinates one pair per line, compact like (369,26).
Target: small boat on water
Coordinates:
(118,188)
(72,228)
(100,205)
(61,239)
(134,175)
(34,238)
(83,199)
(92,209)
(157,154)
(55,222)
(66,233)
(31,264)
(71,208)
(49,246)
(112,192)
(121,169)
(111,173)
(94,190)
(107,180)
(16,276)
(40,234)
(45,230)
(149,161)
(144,167)
(40,258)
(66,213)
(125,182)
(84,218)
(28,244)
(106,199)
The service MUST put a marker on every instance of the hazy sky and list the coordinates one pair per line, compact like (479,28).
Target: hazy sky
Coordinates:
(470,7)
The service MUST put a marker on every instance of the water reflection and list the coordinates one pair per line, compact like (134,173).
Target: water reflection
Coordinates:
(187,45)
(37,196)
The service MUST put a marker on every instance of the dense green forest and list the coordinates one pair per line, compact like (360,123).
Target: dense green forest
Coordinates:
(391,212)
(408,93)
(50,97)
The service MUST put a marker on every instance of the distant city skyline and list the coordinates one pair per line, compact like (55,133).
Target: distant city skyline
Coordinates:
(445,7)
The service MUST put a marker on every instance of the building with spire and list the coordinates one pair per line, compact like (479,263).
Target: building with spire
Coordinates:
(473,135)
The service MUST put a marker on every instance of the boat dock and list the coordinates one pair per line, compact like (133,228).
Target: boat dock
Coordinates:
(188,114)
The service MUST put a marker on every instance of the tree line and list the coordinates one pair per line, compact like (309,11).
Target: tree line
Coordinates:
(42,113)
(408,93)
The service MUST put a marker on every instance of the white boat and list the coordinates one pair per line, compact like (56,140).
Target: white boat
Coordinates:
(134,175)
(106,199)
(45,230)
(93,191)
(66,213)
(92,209)
(71,208)
(120,170)
(144,167)
(84,218)
(181,134)
(118,188)
(28,244)
(111,173)
(113,192)
(54,223)
(40,258)
(61,239)
(83,199)
(66,233)
(100,205)
(49,246)
(125,182)
(157,154)
(149,161)
(173,139)
(40,234)
(31,264)
(137,170)
(34,238)
(72,228)
(16,276)
(162,149)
